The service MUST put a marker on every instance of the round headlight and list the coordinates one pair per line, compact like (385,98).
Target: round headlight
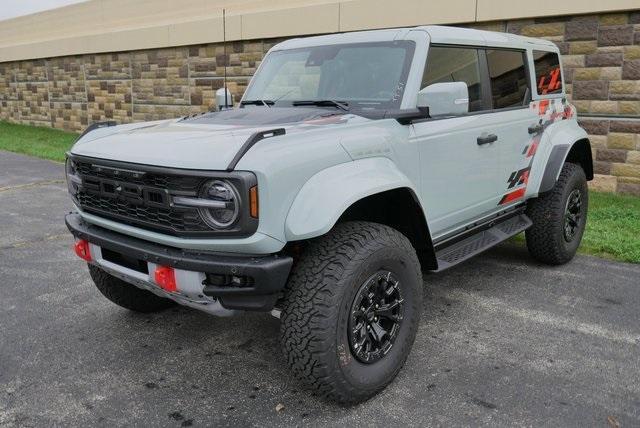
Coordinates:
(220,191)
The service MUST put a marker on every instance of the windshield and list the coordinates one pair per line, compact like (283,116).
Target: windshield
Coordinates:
(361,75)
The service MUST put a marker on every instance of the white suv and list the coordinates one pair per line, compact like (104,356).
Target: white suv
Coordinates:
(353,163)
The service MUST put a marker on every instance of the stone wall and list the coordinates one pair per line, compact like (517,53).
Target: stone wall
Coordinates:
(73,92)
(601,57)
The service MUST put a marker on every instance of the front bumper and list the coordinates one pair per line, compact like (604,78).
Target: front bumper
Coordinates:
(267,275)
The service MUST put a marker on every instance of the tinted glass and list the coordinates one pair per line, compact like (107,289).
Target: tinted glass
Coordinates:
(548,76)
(449,64)
(509,85)
(366,75)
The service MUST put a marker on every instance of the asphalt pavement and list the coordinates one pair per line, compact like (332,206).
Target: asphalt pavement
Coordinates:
(503,341)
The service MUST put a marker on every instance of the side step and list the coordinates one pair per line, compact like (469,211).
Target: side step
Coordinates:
(475,244)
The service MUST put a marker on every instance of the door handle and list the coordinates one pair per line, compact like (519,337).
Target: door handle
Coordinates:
(487,139)
(534,129)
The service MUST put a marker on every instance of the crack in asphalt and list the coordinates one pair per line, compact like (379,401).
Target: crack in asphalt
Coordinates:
(30,185)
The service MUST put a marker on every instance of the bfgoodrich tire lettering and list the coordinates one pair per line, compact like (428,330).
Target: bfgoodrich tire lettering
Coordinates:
(547,239)
(127,295)
(318,306)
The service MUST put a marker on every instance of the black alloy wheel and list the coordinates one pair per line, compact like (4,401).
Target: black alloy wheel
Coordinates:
(376,316)
(572,215)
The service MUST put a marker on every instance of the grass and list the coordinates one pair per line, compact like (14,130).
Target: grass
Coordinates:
(36,141)
(613,226)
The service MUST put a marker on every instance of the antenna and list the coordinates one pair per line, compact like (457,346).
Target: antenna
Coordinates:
(226,59)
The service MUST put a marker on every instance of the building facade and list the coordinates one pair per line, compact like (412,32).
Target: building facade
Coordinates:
(114,68)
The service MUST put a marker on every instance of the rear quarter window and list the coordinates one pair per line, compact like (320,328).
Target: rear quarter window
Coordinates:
(548,76)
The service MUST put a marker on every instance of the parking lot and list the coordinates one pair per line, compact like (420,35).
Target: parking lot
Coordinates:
(503,341)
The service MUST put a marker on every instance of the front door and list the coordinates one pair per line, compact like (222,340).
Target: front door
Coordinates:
(459,177)
(459,173)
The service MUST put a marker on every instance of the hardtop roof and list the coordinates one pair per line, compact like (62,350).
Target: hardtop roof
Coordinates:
(437,34)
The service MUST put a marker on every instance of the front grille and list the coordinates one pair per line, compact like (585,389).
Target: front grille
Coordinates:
(145,216)
(143,195)
(143,199)
(162,181)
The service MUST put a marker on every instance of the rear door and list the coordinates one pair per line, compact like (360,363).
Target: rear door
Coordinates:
(510,118)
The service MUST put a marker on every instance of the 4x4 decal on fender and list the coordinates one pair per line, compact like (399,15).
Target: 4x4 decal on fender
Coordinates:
(550,111)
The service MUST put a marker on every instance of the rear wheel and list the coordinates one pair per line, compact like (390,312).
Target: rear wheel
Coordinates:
(559,218)
(351,310)
(127,295)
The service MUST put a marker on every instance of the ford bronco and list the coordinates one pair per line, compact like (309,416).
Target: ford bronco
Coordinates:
(353,163)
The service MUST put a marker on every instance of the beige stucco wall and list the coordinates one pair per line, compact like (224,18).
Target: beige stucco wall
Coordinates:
(116,25)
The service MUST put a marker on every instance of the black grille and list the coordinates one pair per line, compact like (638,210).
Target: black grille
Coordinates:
(148,217)
(143,200)
(142,196)
(162,181)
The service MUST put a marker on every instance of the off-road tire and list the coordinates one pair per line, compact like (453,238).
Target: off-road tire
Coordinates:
(318,302)
(127,295)
(545,238)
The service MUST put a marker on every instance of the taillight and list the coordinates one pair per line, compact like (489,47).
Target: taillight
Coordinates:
(165,277)
(81,247)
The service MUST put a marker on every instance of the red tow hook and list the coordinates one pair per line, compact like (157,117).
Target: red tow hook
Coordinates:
(82,250)
(165,277)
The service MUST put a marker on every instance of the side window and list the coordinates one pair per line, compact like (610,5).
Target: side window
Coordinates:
(451,64)
(509,83)
(548,76)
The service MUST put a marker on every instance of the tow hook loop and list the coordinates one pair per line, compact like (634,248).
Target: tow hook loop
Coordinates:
(166,278)
(81,247)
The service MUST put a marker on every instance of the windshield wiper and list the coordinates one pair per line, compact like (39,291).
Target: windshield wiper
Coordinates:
(342,105)
(267,103)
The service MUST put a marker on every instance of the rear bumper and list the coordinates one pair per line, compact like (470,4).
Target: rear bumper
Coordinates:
(267,274)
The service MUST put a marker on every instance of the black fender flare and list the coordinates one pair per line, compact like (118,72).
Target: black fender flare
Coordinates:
(579,152)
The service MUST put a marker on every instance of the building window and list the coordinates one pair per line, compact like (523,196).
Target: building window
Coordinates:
(548,76)
(509,83)
(451,64)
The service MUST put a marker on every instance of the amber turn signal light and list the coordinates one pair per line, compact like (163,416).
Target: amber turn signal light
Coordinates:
(253,202)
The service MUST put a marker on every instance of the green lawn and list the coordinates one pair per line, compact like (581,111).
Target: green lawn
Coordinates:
(44,143)
(613,228)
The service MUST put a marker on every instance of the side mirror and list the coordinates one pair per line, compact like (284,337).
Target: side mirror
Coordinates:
(224,102)
(444,99)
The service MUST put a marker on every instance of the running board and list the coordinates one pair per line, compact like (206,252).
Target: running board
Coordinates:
(481,241)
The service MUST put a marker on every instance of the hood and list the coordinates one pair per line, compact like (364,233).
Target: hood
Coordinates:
(202,141)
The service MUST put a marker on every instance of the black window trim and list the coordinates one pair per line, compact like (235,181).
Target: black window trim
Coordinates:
(485,80)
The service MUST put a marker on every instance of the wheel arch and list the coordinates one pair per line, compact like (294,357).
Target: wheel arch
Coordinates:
(371,189)
(407,217)
(578,152)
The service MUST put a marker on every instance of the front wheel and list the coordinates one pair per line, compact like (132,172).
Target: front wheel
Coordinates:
(351,311)
(559,218)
